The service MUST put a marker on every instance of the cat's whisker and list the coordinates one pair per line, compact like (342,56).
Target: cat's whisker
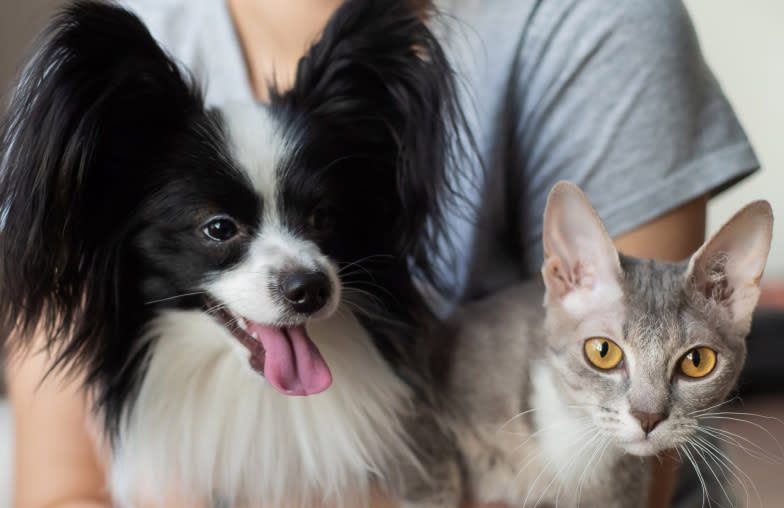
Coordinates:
(540,450)
(733,468)
(753,449)
(567,466)
(677,450)
(700,448)
(696,467)
(528,463)
(515,417)
(600,449)
(721,457)
(546,467)
(585,406)
(529,411)
(551,427)
(721,416)
(710,452)
(742,413)
(715,406)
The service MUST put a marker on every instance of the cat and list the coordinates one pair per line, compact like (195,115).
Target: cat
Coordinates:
(568,404)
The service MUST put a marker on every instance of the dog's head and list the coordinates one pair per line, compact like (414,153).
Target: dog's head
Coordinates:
(121,194)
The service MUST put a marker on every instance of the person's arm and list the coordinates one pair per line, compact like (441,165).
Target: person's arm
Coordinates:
(674,236)
(56,465)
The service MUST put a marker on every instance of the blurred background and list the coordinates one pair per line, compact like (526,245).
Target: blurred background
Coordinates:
(743,43)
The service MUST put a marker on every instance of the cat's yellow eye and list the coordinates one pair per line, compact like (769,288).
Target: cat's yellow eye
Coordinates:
(699,362)
(603,352)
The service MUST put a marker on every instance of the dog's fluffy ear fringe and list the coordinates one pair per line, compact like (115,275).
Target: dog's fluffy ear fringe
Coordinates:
(379,77)
(76,132)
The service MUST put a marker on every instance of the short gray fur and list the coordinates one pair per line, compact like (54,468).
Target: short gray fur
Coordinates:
(538,425)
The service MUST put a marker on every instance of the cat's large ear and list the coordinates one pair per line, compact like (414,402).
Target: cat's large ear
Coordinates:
(726,270)
(578,252)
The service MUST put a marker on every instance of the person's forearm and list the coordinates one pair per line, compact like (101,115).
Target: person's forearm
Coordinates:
(79,503)
(674,236)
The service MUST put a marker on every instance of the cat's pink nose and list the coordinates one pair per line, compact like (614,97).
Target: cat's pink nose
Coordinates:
(648,420)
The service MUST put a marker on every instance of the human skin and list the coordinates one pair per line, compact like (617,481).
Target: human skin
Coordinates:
(56,463)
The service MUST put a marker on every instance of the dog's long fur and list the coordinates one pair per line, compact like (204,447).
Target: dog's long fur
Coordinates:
(113,175)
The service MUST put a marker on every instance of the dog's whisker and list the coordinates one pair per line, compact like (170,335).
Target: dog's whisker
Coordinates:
(175,297)
(359,262)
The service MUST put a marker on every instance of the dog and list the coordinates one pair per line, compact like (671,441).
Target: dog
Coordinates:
(236,286)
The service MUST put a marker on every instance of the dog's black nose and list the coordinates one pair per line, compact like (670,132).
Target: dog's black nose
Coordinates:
(305,292)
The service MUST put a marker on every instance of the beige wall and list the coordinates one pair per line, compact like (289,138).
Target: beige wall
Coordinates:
(742,40)
(20,21)
(744,43)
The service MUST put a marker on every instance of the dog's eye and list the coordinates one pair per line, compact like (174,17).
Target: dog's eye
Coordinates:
(321,220)
(220,229)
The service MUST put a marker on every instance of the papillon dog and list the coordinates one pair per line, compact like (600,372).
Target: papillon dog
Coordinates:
(235,286)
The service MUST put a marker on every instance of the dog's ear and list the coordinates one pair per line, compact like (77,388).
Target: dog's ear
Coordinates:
(379,84)
(98,97)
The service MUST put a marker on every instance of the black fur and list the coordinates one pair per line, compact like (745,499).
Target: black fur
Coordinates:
(378,87)
(375,103)
(99,115)
(111,163)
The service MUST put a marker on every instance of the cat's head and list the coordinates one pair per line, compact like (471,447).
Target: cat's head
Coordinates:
(645,346)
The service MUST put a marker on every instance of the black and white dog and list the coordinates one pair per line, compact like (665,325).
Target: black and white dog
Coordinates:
(204,269)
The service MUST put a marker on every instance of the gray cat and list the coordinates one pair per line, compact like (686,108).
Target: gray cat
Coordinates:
(567,404)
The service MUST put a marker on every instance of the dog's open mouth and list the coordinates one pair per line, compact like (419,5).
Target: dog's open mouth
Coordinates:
(284,355)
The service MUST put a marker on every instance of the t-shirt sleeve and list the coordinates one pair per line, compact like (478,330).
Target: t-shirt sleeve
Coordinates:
(617,98)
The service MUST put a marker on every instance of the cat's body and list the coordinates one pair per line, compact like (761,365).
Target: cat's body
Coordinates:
(518,434)
(568,404)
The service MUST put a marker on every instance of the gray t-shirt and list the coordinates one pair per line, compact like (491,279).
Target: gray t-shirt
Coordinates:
(613,95)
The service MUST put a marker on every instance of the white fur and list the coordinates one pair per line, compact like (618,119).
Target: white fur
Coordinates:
(585,302)
(204,422)
(259,146)
(247,289)
(565,448)
(547,460)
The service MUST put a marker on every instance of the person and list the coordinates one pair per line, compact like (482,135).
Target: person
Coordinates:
(612,95)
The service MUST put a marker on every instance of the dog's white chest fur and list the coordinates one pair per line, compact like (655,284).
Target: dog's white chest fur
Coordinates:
(205,423)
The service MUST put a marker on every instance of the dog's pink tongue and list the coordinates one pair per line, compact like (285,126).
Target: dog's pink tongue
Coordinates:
(293,364)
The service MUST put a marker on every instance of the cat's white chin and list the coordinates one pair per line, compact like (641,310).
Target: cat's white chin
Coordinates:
(641,448)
